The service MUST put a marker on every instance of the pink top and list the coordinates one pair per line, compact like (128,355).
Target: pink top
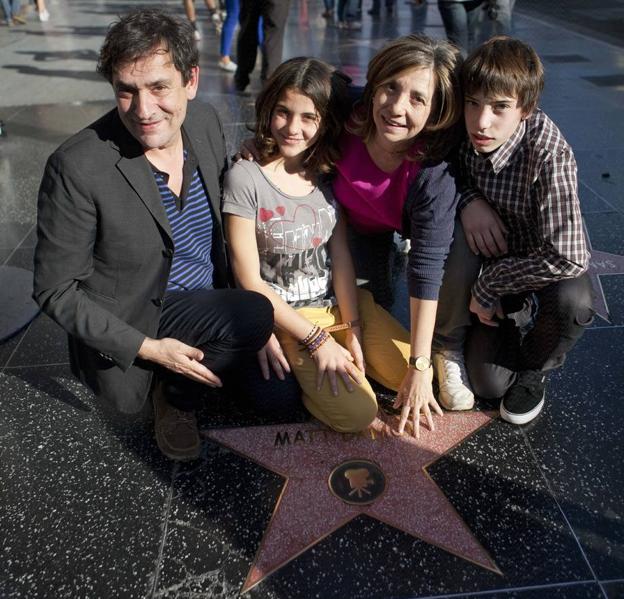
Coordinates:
(372,198)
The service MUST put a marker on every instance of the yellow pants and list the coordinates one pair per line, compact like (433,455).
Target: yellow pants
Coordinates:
(386,348)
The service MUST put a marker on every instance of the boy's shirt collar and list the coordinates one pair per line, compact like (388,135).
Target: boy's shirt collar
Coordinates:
(499,158)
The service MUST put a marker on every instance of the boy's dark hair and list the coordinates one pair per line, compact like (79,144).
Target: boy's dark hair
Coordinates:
(140,33)
(416,52)
(328,90)
(504,66)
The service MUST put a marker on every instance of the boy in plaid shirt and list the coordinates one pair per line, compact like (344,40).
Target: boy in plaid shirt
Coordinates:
(530,296)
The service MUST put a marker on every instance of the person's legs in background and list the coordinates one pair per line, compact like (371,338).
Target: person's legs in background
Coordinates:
(11,10)
(328,13)
(499,16)
(274,17)
(42,11)
(8,15)
(189,9)
(461,22)
(374,9)
(247,42)
(343,21)
(474,20)
(232,9)
(455,22)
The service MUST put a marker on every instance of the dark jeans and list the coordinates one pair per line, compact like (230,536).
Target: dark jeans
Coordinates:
(377,5)
(464,21)
(274,14)
(272,398)
(228,325)
(540,328)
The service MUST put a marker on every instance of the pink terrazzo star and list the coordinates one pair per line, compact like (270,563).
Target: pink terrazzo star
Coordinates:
(307,510)
(601,264)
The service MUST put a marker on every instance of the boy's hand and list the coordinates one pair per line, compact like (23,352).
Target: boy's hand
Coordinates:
(486,315)
(484,229)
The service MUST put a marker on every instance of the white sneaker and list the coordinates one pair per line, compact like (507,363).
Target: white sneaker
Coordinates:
(44,16)
(228,66)
(196,35)
(454,388)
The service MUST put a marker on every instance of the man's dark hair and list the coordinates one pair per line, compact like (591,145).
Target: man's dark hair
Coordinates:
(140,33)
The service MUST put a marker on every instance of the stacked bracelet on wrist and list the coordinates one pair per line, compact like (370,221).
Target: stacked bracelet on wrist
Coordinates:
(319,340)
(314,339)
(313,333)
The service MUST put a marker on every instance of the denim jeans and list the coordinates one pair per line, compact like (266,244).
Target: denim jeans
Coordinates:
(467,23)
(343,9)
(10,8)
(461,22)
(501,24)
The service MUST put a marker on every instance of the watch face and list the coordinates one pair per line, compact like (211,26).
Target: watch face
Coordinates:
(422,363)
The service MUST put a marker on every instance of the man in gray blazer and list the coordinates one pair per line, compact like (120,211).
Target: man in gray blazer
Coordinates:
(130,257)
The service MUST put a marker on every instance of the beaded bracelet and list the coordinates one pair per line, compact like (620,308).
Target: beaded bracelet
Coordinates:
(315,330)
(318,341)
(313,339)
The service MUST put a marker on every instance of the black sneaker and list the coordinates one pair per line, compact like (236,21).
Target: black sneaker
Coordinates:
(525,398)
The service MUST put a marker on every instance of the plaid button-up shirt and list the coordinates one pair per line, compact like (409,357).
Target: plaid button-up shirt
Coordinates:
(531,183)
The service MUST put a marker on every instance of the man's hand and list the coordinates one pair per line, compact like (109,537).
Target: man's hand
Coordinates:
(247,151)
(485,232)
(486,315)
(273,354)
(178,357)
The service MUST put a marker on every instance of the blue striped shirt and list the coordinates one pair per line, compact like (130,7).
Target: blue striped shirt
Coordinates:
(190,219)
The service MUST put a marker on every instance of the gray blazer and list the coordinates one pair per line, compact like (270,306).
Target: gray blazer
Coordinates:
(105,248)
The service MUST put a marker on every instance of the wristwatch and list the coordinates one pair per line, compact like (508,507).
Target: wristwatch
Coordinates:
(420,362)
